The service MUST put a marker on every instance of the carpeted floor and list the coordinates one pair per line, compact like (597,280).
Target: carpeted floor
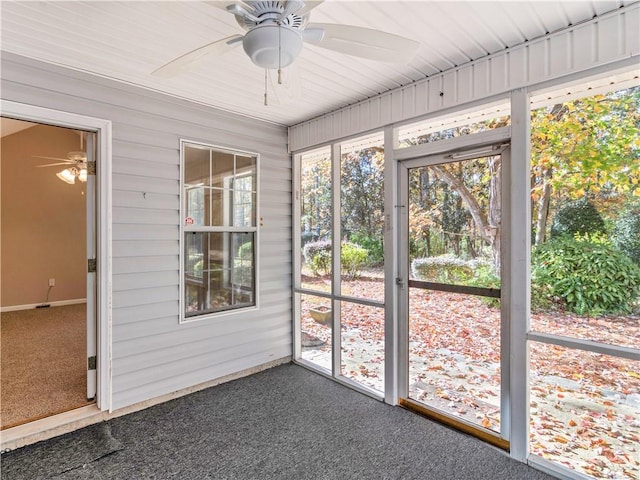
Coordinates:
(43,363)
(284,423)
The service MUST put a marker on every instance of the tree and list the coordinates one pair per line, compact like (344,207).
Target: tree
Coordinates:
(362,192)
(585,148)
(315,199)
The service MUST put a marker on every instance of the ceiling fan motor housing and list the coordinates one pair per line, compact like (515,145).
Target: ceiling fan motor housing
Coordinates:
(272,46)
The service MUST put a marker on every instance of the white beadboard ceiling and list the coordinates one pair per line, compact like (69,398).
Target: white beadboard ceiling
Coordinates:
(128,40)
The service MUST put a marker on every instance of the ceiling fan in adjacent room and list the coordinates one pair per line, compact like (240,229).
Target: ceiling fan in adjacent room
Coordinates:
(277,30)
(76,163)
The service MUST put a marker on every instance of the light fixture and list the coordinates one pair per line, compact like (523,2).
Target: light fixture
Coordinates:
(272,46)
(69,175)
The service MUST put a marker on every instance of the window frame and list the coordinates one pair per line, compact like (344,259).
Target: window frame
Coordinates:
(254,229)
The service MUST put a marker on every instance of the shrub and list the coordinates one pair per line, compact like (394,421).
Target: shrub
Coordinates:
(373,245)
(444,268)
(353,257)
(578,216)
(626,232)
(586,274)
(484,276)
(318,256)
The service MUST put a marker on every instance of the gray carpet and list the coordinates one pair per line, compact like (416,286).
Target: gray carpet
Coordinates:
(284,423)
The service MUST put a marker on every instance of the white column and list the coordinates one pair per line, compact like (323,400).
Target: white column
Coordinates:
(516,270)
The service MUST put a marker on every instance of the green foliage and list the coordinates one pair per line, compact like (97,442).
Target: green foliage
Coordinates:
(374,246)
(444,268)
(362,191)
(586,274)
(626,232)
(318,257)
(245,251)
(485,276)
(577,217)
(353,257)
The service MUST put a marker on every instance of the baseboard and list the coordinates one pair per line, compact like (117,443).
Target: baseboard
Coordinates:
(59,303)
(57,425)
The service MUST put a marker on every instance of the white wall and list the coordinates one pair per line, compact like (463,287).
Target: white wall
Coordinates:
(152,353)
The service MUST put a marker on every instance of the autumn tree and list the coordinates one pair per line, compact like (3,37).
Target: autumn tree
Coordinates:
(588,148)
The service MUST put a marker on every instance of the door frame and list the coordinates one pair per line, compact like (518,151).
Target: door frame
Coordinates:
(444,151)
(103,296)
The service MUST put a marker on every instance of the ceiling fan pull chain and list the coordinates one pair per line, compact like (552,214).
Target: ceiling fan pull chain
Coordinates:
(279,53)
(265,87)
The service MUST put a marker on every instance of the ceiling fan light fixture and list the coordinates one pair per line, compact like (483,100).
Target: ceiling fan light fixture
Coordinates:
(82,175)
(67,176)
(272,46)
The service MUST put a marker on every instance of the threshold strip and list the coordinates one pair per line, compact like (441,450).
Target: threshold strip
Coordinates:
(480,433)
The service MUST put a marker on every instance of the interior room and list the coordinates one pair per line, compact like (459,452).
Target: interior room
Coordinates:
(324,239)
(43,274)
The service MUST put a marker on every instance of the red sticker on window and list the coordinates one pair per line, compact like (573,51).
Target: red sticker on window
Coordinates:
(189,221)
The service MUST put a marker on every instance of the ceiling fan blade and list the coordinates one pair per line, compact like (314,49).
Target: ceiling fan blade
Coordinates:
(365,43)
(223,4)
(54,164)
(185,62)
(64,160)
(308,6)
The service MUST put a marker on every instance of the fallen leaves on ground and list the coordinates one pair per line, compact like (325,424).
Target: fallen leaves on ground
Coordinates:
(584,406)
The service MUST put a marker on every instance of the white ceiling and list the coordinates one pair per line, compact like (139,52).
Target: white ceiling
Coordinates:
(128,40)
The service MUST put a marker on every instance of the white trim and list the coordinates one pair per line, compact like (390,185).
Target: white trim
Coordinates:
(29,306)
(391,339)
(586,345)
(556,469)
(516,267)
(104,297)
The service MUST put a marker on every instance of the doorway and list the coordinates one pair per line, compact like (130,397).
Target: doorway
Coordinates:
(48,291)
(454,365)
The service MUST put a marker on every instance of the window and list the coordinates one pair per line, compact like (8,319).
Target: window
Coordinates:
(219,230)
(340,278)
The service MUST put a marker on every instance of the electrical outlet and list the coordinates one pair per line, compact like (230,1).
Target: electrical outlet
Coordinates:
(52,282)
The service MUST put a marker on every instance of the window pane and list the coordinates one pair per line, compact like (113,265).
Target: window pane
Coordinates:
(362,218)
(454,355)
(585,411)
(585,261)
(315,328)
(362,331)
(196,211)
(196,166)
(223,167)
(219,271)
(450,241)
(316,220)
(246,169)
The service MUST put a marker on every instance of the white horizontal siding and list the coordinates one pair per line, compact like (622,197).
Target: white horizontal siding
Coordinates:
(601,41)
(152,353)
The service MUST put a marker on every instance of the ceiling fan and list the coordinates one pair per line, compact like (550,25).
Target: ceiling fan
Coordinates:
(76,163)
(276,31)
